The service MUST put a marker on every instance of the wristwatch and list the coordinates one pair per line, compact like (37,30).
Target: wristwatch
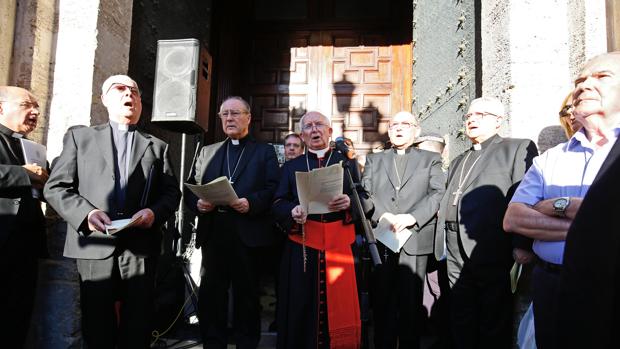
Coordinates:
(560,205)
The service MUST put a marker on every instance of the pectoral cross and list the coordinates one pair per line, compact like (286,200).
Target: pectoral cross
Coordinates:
(456,194)
(231,181)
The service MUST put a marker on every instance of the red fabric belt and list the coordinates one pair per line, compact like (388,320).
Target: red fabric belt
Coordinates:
(343,311)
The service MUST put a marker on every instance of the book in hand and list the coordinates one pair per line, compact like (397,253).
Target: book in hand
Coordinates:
(34,153)
(121,224)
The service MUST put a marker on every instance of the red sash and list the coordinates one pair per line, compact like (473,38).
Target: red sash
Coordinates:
(343,311)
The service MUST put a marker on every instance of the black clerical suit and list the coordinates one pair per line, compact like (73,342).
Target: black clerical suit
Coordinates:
(410,183)
(479,252)
(91,174)
(22,228)
(589,290)
(230,240)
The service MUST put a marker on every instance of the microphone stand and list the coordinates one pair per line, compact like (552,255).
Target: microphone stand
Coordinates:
(356,206)
(371,246)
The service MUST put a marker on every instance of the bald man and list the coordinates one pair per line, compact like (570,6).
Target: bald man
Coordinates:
(107,173)
(21,218)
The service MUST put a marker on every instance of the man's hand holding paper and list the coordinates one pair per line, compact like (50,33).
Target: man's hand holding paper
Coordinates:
(217,192)
(97,220)
(38,175)
(402,221)
(320,190)
(391,232)
(339,202)
(204,206)
(143,219)
(241,205)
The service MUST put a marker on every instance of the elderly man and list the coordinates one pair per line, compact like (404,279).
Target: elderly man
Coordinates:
(106,173)
(318,305)
(549,196)
(293,146)
(231,236)
(480,183)
(405,185)
(21,218)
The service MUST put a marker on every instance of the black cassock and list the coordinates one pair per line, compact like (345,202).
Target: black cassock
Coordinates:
(302,304)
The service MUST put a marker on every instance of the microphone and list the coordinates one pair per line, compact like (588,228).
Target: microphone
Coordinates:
(345,147)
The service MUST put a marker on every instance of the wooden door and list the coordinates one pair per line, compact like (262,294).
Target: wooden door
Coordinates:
(357,79)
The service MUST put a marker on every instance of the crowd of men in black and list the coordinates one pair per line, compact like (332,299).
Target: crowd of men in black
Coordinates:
(498,203)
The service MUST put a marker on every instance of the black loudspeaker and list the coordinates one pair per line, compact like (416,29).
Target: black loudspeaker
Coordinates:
(182,86)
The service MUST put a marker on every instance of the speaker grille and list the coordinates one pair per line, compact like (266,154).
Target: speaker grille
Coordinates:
(174,99)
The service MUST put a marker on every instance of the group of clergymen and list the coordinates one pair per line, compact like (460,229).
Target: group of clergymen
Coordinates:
(461,218)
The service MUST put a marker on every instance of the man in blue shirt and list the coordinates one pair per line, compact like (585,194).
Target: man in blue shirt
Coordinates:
(545,204)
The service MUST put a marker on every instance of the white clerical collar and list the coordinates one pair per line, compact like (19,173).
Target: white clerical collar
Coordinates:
(401,151)
(234,141)
(319,153)
(477,146)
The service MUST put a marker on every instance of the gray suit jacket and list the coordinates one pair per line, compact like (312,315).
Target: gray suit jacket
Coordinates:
(422,186)
(486,194)
(83,179)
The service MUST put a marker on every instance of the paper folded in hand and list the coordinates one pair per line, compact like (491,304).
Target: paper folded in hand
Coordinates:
(121,224)
(218,191)
(515,273)
(383,232)
(318,187)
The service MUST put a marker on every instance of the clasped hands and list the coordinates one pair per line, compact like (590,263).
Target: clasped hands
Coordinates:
(240,205)
(338,203)
(97,219)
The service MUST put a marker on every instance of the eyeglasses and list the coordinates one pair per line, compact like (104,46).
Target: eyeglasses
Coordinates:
(566,111)
(234,113)
(403,125)
(309,127)
(477,116)
(24,104)
(121,88)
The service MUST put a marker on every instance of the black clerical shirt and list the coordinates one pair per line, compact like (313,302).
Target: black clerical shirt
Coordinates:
(452,213)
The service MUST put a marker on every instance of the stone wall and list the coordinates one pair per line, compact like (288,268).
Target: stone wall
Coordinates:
(33,49)
(7,29)
(531,52)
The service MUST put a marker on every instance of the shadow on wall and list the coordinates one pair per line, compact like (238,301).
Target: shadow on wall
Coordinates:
(359,121)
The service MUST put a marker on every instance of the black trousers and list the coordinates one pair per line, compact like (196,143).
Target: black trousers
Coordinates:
(227,261)
(397,300)
(126,278)
(545,287)
(481,301)
(18,272)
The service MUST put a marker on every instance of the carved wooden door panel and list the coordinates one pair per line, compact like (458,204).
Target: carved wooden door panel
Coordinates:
(354,78)
(282,82)
(364,81)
